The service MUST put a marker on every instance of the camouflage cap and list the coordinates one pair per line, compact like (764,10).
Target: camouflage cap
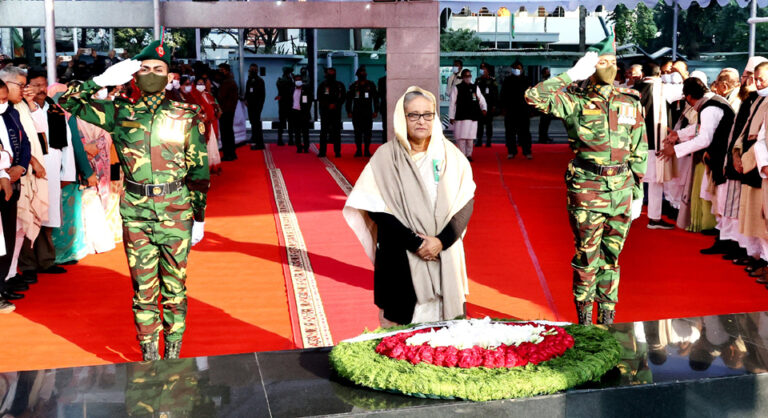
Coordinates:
(155,51)
(605,47)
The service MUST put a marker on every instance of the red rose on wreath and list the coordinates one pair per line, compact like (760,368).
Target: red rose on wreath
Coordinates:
(556,341)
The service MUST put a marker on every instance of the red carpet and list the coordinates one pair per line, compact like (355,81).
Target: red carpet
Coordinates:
(663,274)
(237,297)
(518,249)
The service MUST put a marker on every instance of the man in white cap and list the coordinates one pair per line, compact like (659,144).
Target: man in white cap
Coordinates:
(729,239)
(749,160)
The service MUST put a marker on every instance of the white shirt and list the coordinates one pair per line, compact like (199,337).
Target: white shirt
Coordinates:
(697,137)
(297,99)
(761,152)
(6,142)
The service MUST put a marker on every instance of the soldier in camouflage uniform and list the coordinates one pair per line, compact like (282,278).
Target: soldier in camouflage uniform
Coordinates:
(163,155)
(606,131)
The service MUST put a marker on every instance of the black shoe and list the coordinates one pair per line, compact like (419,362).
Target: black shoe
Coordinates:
(299,150)
(469,159)
(479,143)
(16,286)
(528,156)
(54,270)
(488,145)
(659,224)
(358,153)
(719,247)
(743,261)
(321,155)
(338,155)
(756,264)
(367,153)
(711,232)
(731,256)
(29,277)
(9,295)
(280,143)
(290,142)
(68,263)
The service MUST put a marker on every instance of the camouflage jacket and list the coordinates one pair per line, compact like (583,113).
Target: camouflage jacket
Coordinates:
(605,126)
(153,148)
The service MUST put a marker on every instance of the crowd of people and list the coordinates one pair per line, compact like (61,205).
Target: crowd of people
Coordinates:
(61,177)
(707,155)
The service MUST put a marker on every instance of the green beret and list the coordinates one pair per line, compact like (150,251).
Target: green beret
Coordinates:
(605,47)
(155,51)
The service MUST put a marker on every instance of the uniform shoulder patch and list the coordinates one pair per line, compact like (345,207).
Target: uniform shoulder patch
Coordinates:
(630,92)
(186,106)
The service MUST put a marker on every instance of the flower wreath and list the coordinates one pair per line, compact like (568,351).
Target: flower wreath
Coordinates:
(481,376)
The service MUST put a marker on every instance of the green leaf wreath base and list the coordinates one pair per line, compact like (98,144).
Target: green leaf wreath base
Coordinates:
(595,352)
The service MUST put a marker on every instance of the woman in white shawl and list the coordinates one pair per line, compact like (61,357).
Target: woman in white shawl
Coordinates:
(410,209)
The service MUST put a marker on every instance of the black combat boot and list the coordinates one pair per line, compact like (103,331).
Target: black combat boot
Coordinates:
(584,310)
(172,349)
(149,350)
(605,316)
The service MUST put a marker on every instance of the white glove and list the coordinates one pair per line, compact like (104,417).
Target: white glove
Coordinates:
(637,208)
(118,74)
(584,67)
(198,230)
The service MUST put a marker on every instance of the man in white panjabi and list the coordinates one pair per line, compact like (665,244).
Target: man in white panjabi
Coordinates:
(467,107)
(55,137)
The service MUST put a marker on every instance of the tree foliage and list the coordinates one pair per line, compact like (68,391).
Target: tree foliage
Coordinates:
(379,38)
(459,40)
(634,25)
(700,29)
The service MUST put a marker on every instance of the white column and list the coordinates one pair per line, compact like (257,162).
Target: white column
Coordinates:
(674,31)
(752,28)
(7,41)
(157,20)
(50,42)
(75,41)
(240,53)
(197,44)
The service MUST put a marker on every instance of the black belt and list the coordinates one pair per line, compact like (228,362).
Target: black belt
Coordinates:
(153,190)
(600,170)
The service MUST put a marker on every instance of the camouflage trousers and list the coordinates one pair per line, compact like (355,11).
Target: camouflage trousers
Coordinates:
(600,221)
(157,258)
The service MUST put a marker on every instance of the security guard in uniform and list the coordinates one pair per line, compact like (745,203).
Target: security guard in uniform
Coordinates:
(331,95)
(606,131)
(162,152)
(362,107)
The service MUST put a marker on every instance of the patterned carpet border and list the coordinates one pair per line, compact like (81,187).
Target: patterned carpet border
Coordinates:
(312,321)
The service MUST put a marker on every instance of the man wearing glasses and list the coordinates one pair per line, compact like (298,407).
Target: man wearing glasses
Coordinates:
(162,153)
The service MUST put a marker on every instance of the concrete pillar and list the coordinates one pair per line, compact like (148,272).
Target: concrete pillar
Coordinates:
(157,19)
(413,55)
(7,41)
(197,44)
(241,58)
(752,28)
(49,42)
